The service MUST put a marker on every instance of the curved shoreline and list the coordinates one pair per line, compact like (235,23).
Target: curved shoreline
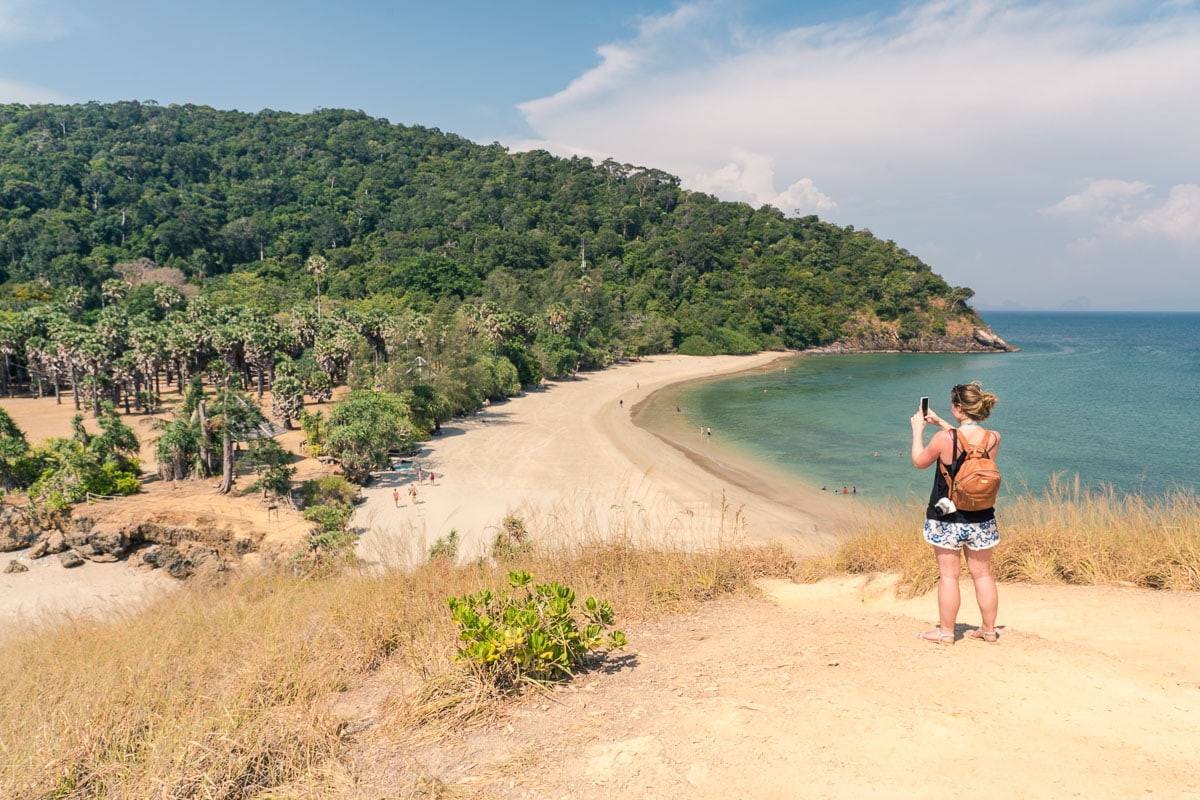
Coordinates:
(572,463)
(779,495)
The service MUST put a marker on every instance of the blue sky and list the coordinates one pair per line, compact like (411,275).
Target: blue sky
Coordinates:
(1038,152)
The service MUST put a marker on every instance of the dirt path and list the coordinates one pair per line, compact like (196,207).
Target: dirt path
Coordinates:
(824,692)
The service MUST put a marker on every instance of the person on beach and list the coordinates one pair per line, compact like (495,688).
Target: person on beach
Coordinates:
(396,497)
(950,532)
(412,493)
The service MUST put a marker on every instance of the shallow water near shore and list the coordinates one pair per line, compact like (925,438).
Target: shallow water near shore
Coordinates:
(1105,396)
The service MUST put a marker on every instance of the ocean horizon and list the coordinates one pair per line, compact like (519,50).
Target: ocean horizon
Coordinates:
(1099,397)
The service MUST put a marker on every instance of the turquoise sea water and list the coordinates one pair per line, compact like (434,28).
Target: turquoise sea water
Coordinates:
(1108,397)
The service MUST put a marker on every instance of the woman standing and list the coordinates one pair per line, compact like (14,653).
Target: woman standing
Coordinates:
(950,532)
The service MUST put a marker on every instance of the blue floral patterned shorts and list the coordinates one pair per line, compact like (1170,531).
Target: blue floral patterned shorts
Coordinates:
(953,535)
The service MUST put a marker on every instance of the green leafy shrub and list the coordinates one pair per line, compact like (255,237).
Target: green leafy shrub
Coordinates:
(532,635)
(311,423)
(328,490)
(697,345)
(331,517)
(110,480)
(330,541)
(445,547)
(332,536)
(512,539)
(272,464)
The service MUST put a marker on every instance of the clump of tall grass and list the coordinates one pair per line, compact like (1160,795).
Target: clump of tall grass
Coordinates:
(1066,535)
(228,692)
(1076,536)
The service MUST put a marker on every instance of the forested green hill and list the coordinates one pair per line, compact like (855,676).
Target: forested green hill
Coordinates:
(625,259)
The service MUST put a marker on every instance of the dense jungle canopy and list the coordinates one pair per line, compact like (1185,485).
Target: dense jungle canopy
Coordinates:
(238,202)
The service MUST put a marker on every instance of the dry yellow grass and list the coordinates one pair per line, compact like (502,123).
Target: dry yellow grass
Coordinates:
(1067,535)
(227,692)
(231,692)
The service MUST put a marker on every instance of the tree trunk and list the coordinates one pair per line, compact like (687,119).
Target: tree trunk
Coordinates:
(96,393)
(205,455)
(226,462)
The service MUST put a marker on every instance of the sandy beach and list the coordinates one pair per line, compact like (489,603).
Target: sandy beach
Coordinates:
(570,461)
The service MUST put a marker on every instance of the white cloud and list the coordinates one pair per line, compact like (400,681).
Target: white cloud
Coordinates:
(1177,219)
(945,82)
(1101,198)
(619,64)
(1128,210)
(751,176)
(803,197)
(938,124)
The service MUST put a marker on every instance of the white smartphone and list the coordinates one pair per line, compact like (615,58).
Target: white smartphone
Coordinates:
(924,406)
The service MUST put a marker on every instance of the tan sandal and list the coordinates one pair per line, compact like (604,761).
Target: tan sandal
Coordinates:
(991,637)
(935,636)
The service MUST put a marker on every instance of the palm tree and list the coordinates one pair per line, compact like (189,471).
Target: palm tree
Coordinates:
(180,446)
(148,349)
(334,347)
(12,341)
(13,445)
(112,291)
(236,418)
(41,325)
(187,348)
(303,326)
(68,355)
(93,359)
(112,329)
(261,338)
(318,266)
(168,298)
(287,399)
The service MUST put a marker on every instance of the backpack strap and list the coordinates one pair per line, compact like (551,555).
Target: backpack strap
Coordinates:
(946,475)
(954,459)
(983,447)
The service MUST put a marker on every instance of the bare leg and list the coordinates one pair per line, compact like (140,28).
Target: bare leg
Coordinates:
(949,569)
(979,562)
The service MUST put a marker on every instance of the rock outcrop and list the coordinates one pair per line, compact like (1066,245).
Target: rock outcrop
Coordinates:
(887,339)
(17,531)
(182,547)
